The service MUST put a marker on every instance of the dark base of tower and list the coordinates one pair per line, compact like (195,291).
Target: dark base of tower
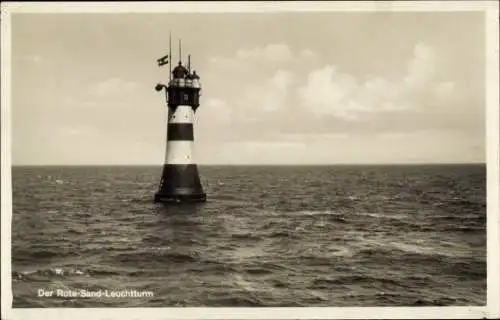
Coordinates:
(180,198)
(180,184)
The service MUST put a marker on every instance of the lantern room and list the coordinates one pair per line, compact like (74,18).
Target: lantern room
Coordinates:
(184,87)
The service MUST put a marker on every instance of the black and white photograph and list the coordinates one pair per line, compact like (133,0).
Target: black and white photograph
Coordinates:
(185,157)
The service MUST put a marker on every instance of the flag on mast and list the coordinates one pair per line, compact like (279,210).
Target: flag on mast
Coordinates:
(163,61)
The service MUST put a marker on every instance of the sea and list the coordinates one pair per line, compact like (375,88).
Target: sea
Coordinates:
(268,236)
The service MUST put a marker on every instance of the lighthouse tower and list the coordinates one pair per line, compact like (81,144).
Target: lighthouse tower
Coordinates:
(180,181)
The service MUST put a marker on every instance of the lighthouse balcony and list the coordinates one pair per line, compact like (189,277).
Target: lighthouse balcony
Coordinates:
(185,83)
(196,84)
(177,82)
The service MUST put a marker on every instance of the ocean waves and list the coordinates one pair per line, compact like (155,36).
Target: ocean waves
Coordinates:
(267,236)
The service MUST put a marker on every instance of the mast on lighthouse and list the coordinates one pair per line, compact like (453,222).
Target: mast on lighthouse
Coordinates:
(180,181)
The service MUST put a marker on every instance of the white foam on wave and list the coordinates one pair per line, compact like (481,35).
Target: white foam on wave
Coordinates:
(58,271)
(421,246)
(316,212)
(244,284)
(383,216)
(413,248)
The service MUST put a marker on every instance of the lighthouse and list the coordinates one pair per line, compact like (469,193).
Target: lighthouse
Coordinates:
(180,181)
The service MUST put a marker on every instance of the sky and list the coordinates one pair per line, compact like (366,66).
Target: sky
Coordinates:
(278,88)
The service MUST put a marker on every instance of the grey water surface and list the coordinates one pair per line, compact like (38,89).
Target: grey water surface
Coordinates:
(268,236)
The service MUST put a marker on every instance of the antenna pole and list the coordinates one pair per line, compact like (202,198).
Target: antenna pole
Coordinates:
(180,51)
(170,56)
(189,63)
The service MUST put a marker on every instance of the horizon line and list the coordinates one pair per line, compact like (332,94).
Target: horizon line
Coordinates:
(257,165)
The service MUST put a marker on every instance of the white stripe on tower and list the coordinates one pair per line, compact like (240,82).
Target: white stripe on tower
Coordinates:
(182,114)
(180,152)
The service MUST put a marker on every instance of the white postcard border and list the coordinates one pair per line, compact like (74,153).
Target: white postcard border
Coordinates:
(492,309)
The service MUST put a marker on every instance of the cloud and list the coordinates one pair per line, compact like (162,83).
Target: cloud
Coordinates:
(258,62)
(306,54)
(273,52)
(277,53)
(331,92)
(111,93)
(108,108)
(218,107)
(270,94)
(313,136)
(260,145)
(255,81)
(270,76)
(253,100)
(422,67)
(254,96)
